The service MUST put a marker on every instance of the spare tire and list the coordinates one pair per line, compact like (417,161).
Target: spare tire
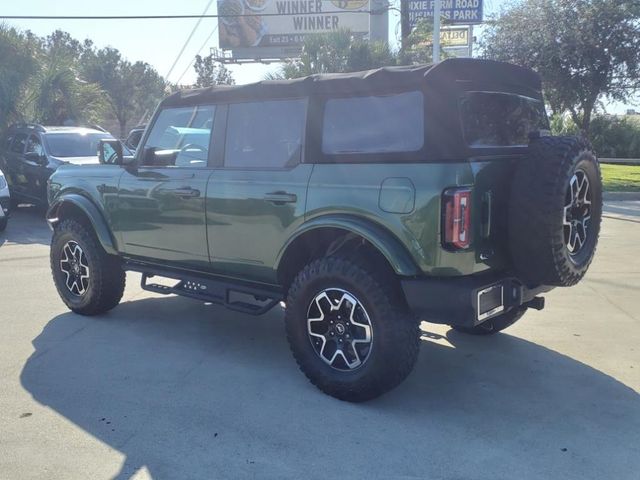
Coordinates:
(555,211)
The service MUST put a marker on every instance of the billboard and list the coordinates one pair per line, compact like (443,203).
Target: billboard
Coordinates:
(277,28)
(465,12)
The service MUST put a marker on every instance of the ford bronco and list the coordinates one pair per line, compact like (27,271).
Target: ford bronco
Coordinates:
(363,203)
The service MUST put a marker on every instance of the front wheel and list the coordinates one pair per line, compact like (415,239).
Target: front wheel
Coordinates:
(348,329)
(88,280)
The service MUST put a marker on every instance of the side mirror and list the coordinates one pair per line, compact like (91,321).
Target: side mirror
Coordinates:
(110,152)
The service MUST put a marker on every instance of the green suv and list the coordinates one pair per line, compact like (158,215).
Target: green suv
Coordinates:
(363,202)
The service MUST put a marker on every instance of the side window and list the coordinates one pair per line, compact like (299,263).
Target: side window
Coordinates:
(380,124)
(180,137)
(34,145)
(19,142)
(265,134)
(492,119)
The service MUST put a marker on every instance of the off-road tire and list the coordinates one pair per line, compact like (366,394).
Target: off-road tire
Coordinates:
(3,223)
(494,325)
(536,211)
(395,331)
(106,276)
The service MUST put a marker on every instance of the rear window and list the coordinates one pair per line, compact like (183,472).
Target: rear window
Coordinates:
(376,124)
(491,119)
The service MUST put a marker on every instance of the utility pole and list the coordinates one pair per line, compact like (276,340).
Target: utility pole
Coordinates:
(405,25)
(436,30)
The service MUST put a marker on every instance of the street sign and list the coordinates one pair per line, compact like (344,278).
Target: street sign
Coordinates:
(465,12)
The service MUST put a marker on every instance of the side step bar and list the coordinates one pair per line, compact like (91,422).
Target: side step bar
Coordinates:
(238,297)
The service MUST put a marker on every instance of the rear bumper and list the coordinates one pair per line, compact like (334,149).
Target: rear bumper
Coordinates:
(454,301)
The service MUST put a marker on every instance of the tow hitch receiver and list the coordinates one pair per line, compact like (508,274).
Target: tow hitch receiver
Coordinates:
(537,303)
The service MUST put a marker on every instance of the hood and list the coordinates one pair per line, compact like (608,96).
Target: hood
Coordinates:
(93,160)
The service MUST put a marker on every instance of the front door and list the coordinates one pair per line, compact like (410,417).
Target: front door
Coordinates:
(161,202)
(256,199)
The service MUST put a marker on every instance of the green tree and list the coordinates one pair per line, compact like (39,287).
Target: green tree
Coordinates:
(17,65)
(338,52)
(132,89)
(584,50)
(211,72)
(56,95)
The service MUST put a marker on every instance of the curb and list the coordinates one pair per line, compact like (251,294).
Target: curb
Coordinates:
(620,196)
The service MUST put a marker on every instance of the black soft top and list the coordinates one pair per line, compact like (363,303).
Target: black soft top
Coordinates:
(442,85)
(440,78)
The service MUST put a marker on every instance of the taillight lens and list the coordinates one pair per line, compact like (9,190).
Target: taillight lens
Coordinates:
(456,218)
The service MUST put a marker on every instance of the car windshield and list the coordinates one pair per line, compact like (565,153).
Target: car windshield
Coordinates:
(75,144)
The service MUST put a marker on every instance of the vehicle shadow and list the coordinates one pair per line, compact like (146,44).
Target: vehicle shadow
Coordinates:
(27,225)
(194,391)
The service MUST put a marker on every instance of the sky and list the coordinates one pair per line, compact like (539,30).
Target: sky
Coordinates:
(157,42)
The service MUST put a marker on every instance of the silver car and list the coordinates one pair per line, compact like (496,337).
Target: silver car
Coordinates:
(4,202)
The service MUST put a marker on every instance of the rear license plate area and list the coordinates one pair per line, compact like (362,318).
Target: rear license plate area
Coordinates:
(490,302)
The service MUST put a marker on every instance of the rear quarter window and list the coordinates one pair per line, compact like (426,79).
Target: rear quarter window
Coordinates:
(493,119)
(374,124)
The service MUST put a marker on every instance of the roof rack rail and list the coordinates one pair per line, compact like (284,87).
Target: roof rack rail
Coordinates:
(98,127)
(35,126)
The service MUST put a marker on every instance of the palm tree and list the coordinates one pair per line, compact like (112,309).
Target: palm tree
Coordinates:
(18,64)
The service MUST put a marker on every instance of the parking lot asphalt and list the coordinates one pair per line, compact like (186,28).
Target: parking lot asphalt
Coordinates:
(171,388)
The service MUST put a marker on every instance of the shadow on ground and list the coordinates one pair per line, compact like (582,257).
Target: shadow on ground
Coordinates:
(27,225)
(193,391)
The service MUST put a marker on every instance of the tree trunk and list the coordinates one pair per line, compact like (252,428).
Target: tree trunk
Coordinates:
(122,121)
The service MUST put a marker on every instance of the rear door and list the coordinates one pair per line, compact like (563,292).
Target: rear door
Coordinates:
(257,197)
(161,203)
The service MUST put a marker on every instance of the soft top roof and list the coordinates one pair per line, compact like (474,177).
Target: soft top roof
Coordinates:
(438,76)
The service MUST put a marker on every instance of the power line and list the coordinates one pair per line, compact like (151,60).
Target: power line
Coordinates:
(204,44)
(180,17)
(175,62)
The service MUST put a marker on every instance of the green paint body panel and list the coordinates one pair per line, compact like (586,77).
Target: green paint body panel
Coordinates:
(227,225)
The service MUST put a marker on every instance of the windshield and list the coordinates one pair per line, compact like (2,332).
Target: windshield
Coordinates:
(75,144)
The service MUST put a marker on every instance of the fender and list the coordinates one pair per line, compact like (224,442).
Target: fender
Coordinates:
(392,249)
(92,212)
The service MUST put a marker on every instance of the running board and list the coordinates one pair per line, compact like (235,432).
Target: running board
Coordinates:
(249,299)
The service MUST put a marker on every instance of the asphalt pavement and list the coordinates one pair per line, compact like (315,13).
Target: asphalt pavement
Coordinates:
(171,388)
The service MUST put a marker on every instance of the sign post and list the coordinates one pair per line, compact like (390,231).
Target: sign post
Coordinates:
(436,31)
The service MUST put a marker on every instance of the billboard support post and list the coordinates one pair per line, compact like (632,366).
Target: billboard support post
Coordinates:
(436,30)
(470,41)
(379,21)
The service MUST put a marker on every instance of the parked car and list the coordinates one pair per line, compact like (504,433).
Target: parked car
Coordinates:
(33,152)
(366,202)
(133,139)
(5,200)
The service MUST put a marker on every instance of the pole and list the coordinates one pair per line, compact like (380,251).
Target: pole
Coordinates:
(436,30)
(405,27)
(470,41)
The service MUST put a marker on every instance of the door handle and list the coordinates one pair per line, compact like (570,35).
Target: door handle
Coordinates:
(186,192)
(280,198)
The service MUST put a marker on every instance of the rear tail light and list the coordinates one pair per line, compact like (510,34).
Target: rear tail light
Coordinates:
(456,218)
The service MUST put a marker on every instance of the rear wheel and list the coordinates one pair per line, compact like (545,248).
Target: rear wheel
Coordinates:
(350,333)
(88,280)
(3,223)
(495,324)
